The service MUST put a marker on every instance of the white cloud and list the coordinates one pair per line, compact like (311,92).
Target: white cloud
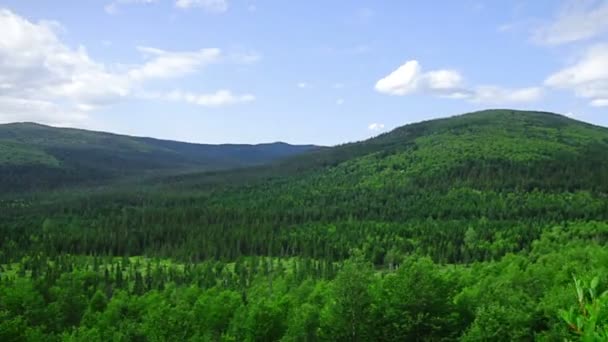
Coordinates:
(500,95)
(44,80)
(442,80)
(579,20)
(338,85)
(410,79)
(37,71)
(402,81)
(588,77)
(375,127)
(600,103)
(217,99)
(165,64)
(14,109)
(213,6)
(340,102)
(302,85)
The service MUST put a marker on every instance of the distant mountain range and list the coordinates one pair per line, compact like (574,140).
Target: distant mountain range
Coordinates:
(492,148)
(34,156)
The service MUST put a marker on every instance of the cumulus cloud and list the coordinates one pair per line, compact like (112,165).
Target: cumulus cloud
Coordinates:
(409,78)
(213,6)
(376,127)
(340,102)
(302,85)
(577,21)
(588,77)
(217,99)
(42,79)
(37,70)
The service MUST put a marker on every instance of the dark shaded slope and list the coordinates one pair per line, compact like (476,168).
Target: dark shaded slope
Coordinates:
(34,156)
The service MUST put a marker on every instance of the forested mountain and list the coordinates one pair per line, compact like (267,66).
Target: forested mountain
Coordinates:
(493,149)
(34,156)
(489,226)
(496,149)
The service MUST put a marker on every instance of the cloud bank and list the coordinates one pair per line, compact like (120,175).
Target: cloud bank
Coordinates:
(587,77)
(42,79)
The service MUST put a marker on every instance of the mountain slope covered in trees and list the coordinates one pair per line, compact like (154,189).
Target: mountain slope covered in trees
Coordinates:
(494,149)
(490,226)
(34,156)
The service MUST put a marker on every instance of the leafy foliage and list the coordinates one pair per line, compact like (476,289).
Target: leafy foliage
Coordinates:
(589,319)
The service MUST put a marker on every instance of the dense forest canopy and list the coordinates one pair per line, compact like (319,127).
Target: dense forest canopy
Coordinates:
(489,226)
(39,157)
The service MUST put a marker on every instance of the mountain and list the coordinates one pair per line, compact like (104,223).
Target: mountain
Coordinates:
(509,174)
(469,228)
(491,149)
(34,156)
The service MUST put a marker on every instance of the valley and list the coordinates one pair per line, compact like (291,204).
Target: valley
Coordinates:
(477,227)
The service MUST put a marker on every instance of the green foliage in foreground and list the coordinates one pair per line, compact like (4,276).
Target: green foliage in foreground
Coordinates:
(589,319)
(519,297)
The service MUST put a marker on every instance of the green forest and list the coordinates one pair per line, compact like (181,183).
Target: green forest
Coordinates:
(488,226)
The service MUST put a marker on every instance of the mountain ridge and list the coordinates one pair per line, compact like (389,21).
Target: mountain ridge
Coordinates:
(478,144)
(505,138)
(30,124)
(36,156)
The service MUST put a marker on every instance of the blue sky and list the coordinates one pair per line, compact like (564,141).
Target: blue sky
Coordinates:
(323,72)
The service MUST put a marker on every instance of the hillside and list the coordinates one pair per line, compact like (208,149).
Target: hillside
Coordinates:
(492,149)
(34,156)
(505,166)
(488,226)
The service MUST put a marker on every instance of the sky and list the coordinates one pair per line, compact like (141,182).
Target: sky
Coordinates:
(322,72)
